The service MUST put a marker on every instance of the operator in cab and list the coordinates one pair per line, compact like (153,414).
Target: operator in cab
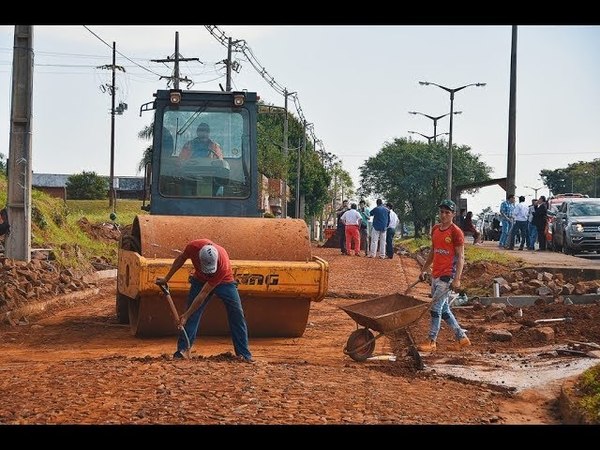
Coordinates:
(202,146)
(203,149)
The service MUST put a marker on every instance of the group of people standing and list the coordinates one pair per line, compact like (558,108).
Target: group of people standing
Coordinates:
(527,222)
(354,228)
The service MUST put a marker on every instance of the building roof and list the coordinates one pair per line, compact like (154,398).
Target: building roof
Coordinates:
(57,180)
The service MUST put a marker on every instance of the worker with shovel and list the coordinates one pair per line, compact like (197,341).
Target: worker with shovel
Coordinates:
(212,275)
(446,258)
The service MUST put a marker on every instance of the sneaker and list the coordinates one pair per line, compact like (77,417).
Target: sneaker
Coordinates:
(178,355)
(428,346)
(246,360)
(460,344)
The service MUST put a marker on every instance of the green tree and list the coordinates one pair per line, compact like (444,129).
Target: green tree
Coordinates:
(272,162)
(580,176)
(87,186)
(413,176)
(146,134)
(2,163)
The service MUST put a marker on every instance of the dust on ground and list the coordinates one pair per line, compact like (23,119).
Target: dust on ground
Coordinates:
(78,365)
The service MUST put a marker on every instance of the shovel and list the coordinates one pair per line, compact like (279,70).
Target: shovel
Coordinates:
(165,289)
(411,286)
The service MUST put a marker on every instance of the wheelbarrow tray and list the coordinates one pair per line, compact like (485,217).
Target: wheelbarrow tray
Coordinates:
(387,313)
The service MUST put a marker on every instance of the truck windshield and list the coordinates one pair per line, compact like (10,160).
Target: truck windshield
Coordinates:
(203,152)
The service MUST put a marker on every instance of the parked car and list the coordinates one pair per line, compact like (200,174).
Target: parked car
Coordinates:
(553,205)
(576,226)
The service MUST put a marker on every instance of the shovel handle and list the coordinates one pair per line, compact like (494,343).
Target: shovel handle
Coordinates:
(165,289)
(412,286)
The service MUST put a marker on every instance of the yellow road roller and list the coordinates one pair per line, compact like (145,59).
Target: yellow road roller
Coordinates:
(203,182)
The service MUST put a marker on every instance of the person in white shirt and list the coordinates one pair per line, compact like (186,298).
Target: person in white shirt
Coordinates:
(520,215)
(391,231)
(352,220)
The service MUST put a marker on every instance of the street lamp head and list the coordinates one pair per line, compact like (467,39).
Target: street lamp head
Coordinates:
(480,84)
(457,112)
(413,112)
(424,83)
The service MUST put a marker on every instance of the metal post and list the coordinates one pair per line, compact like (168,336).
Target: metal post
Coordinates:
(449,187)
(511,163)
(451,91)
(111,190)
(285,153)
(228,82)
(18,196)
(298,170)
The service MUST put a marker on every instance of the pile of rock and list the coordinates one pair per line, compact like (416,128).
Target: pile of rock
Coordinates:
(533,282)
(22,282)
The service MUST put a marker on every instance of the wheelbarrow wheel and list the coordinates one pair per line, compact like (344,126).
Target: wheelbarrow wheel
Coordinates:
(360,344)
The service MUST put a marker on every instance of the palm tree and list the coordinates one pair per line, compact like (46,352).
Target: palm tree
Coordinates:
(147,134)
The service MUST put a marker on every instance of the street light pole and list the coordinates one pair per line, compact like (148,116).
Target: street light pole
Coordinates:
(429,138)
(535,189)
(452,92)
(435,119)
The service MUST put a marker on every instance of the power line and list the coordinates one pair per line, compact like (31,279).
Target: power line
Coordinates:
(241,46)
(121,54)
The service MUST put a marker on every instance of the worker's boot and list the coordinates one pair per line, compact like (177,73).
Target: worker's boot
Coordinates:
(460,344)
(428,346)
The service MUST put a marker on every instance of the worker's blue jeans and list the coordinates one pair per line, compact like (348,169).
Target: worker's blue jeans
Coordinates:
(440,309)
(227,292)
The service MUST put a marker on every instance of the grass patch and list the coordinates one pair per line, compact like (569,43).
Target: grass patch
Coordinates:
(414,245)
(97,211)
(473,254)
(589,386)
(54,225)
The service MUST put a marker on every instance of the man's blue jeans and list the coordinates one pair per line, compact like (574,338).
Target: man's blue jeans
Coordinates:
(440,309)
(506,228)
(532,235)
(227,292)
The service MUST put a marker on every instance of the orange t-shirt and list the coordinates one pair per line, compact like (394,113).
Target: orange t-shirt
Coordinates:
(211,150)
(443,243)
(224,274)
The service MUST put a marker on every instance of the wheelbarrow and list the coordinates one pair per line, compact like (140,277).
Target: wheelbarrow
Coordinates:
(384,315)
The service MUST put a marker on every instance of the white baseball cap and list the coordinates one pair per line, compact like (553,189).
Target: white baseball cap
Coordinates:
(209,256)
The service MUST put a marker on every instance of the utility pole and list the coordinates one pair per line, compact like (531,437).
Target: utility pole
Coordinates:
(230,64)
(176,59)
(113,90)
(18,242)
(286,94)
(111,196)
(303,147)
(512,118)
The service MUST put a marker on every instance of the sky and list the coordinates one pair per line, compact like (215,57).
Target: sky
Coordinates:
(355,84)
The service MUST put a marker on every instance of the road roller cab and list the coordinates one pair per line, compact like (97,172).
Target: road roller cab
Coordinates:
(203,182)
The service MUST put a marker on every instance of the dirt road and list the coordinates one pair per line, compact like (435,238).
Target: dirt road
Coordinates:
(74,364)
